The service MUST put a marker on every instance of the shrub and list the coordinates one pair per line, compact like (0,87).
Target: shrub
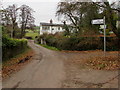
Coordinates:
(12,47)
(79,43)
(28,37)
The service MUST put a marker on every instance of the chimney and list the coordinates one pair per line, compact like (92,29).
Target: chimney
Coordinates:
(64,22)
(51,21)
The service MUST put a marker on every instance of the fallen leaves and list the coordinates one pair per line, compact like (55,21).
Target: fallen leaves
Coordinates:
(14,64)
(94,59)
(104,63)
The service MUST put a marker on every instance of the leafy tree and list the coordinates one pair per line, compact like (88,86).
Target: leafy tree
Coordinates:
(79,14)
(109,10)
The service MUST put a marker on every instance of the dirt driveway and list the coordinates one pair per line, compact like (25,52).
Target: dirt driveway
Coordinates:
(54,69)
(78,75)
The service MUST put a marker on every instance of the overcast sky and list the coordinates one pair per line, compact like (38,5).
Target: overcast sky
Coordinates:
(44,9)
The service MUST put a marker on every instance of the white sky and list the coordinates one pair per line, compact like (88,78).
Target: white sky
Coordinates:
(44,9)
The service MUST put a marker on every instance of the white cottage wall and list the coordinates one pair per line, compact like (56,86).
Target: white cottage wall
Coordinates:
(50,29)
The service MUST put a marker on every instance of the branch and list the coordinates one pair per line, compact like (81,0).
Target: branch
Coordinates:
(106,7)
(116,9)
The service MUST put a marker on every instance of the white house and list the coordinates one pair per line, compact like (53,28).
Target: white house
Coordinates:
(50,28)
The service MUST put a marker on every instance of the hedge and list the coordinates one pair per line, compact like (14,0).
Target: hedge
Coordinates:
(79,43)
(12,47)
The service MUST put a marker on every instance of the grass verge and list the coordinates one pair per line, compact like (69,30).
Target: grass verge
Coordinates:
(49,47)
(32,34)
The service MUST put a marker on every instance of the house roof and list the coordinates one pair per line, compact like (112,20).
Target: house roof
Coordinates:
(50,24)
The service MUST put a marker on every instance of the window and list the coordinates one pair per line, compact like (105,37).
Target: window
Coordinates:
(45,27)
(58,28)
(52,28)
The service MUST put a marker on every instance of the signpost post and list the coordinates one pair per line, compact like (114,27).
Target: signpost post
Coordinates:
(104,37)
(102,21)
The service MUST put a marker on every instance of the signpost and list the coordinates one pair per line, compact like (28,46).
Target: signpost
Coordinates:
(102,26)
(102,22)
(98,21)
(104,37)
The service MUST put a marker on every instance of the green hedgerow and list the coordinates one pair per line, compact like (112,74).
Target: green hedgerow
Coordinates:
(12,47)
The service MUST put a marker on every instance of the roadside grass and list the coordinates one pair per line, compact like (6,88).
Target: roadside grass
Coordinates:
(32,34)
(49,47)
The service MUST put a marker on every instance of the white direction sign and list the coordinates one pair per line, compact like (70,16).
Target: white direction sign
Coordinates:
(98,21)
(102,26)
(101,21)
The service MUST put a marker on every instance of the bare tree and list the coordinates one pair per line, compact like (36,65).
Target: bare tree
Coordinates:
(26,18)
(11,17)
(5,17)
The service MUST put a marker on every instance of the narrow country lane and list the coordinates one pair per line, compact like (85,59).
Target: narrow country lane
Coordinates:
(46,70)
(54,69)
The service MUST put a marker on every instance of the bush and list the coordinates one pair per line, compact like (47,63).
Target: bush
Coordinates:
(12,47)
(79,43)
(28,37)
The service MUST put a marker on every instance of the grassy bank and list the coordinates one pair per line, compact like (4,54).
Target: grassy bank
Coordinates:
(32,34)
(49,47)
